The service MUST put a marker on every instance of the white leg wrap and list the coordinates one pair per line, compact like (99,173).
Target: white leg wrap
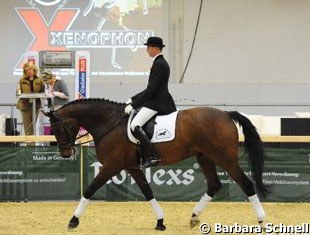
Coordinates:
(205,199)
(157,209)
(257,207)
(79,211)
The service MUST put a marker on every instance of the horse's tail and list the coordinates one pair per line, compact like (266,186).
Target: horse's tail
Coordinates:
(254,147)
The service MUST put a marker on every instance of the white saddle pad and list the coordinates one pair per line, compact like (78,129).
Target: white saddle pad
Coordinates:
(164,129)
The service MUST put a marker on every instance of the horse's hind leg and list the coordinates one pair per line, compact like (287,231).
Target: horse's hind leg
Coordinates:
(236,173)
(104,175)
(141,181)
(209,170)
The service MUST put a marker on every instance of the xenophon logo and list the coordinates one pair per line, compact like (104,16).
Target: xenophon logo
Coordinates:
(116,28)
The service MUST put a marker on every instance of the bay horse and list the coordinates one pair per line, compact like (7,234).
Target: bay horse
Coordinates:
(207,133)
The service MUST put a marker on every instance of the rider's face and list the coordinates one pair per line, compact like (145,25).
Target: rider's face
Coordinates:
(152,51)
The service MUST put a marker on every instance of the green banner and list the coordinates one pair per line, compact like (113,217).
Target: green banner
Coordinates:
(40,173)
(287,172)
(172,183)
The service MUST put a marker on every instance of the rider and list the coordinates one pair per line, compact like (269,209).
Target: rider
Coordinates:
(154,99)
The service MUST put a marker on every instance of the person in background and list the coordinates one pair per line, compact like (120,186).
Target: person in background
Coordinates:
(57,88)
(155,99)
(29,83)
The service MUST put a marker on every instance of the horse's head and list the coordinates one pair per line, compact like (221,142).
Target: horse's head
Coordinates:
(65,131)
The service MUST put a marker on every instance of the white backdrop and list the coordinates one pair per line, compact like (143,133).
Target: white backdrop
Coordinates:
(246,52)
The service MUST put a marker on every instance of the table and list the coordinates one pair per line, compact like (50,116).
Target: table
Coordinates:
(33,97)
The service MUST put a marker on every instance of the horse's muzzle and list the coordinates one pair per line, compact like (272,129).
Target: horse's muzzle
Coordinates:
(66,152)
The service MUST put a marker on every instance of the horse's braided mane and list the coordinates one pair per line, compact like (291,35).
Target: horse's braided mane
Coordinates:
(92,100)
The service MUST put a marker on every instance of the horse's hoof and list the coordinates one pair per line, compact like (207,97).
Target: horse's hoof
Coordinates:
(262,225)
(194,222)
(160,225)
(73,223)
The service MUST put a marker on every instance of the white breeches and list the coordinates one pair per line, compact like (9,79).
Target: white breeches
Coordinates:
(142,117)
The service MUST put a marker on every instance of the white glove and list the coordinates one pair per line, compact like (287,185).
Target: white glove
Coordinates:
(129,101)
(128,109)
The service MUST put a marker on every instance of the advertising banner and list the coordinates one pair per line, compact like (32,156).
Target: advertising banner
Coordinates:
(82,75)
(287,172)
(39,173)
(179,182)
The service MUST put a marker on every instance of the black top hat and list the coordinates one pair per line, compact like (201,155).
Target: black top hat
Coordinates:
(154,42)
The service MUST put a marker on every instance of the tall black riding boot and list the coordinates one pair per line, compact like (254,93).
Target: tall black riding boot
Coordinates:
(152,158)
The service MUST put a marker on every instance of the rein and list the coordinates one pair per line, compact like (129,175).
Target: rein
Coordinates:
(105,133)
(81,136)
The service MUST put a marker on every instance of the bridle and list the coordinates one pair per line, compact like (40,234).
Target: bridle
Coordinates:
(62,141)
(72,139)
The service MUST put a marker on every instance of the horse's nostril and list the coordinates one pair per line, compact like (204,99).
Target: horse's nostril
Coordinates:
(65,155)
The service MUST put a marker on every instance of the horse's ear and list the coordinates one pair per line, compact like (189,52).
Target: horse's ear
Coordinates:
(47,114)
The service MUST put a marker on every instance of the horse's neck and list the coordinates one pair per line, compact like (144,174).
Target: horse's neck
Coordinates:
(97,118)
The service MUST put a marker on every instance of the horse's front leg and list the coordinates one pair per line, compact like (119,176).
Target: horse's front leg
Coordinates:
(104,175)
(141,181)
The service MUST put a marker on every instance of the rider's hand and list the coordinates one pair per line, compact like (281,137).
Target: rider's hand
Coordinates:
(129,101)
(128,109)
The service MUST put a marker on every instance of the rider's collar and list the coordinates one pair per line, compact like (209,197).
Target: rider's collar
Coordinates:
(154,58)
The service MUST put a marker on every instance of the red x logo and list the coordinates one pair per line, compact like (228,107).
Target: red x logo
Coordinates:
(38,27)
